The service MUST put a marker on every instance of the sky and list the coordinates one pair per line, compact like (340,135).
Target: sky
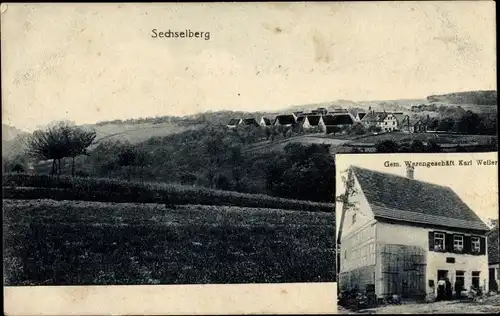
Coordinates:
(477,186)
(95,62)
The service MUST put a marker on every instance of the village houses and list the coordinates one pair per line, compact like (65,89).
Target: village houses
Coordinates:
(337,120)
(235,122)
(400,236)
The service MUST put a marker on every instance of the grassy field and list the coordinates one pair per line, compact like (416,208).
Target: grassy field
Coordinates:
(136,133)
(438,138)
(49,242)
(306,139)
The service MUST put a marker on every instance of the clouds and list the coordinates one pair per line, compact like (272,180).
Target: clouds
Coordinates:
(260,56)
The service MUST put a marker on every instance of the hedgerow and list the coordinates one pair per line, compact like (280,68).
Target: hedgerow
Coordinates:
(27,186)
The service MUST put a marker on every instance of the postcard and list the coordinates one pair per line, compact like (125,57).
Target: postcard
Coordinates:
(182,158)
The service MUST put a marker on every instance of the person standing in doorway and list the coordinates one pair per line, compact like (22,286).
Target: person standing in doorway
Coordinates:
(458,289)
(449,290)
(441,287)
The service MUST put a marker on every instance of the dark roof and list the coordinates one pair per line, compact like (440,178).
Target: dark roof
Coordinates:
(342,119)
(250,121)
(400,117)
(313,119)
(398,198)
(493,246)
(328,120)
(374,116)
(300,119)
(285,119)
(234,121)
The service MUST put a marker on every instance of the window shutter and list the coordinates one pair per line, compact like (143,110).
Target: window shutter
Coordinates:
(467,245)
(482,246)
(431,241)
(448,241)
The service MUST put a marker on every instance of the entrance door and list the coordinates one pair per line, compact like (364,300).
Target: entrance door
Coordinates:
(493,285)
(442,274)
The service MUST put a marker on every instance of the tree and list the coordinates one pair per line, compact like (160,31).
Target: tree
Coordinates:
(131,157)
(493,222)
(304,172)
(79,140)
(387,146)
(374,129)
(417,146)
(17,163)
(432,147)
(445,125)
(58,141)
(468,123)
(356,129)
(49,144)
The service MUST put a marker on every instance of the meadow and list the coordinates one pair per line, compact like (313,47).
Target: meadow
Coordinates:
(51,242)
(445,138)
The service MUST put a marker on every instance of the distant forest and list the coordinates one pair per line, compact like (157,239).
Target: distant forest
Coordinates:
(487,97)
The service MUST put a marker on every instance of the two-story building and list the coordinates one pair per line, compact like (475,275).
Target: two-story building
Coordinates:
(388,122)
(399,236)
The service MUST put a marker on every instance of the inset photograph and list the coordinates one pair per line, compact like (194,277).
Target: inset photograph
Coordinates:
(417,233)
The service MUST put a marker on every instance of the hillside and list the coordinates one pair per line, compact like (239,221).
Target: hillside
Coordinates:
(138,132)
(486,97)
(9,132)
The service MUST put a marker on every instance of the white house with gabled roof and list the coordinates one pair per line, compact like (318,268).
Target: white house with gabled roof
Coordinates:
(400,235)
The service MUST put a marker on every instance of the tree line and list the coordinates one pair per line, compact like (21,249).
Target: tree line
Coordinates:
(212,157)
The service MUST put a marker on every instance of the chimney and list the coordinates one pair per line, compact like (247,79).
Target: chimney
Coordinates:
(410,171)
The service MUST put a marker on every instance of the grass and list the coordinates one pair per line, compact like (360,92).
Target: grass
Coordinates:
(51,242)
(26,186)
(139,132)
(438,138)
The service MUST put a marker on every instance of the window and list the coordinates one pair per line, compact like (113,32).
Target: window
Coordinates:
(476,246)
(475,279)
(354,218)
(345,254)
(460,279)
(439,241)
(458,243)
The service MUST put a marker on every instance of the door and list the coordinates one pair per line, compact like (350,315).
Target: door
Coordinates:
(493,284)
(442,274)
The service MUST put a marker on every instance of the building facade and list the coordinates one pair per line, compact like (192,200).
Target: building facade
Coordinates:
(400,243)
